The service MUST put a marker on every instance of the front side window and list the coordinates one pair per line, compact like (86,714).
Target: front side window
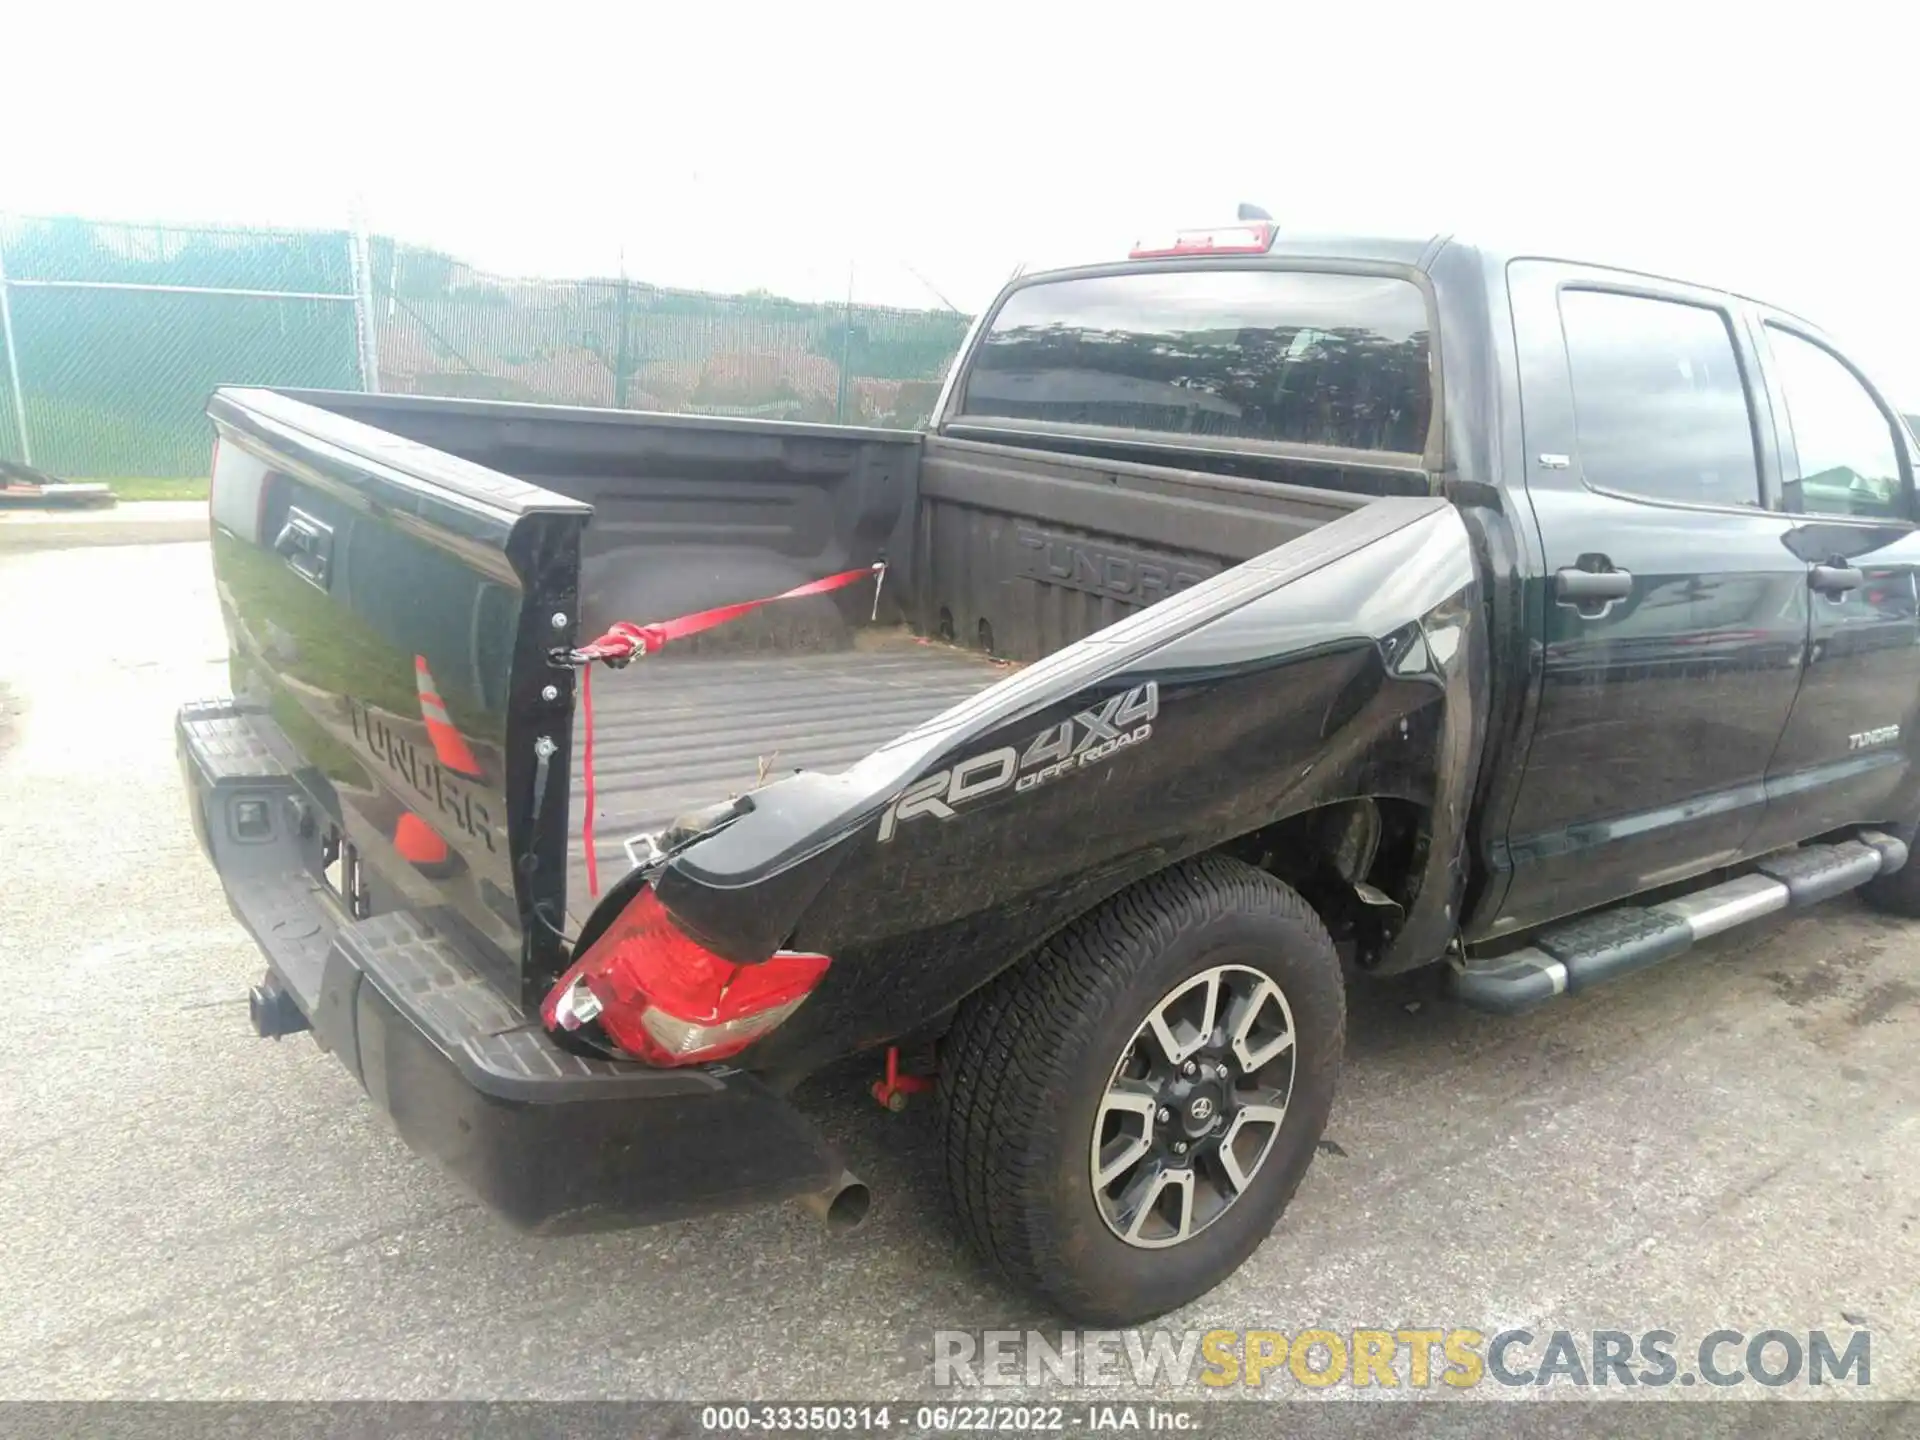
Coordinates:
(1266,355)
(1843,459)
(1660,406)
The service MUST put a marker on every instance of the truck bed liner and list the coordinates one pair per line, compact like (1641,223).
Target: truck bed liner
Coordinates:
(677,732)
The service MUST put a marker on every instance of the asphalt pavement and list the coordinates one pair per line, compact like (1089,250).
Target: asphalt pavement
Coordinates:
(1732,1140)
(129,522)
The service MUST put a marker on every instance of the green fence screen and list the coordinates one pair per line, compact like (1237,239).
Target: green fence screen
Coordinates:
(120,331)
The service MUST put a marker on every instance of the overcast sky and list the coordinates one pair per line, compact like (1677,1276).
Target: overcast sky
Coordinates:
(927,148)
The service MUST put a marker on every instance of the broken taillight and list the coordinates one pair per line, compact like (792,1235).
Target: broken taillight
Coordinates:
(662,997)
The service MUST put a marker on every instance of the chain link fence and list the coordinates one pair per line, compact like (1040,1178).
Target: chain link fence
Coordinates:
(446,329)
(116,334)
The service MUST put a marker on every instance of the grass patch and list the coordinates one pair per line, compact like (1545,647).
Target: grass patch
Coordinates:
(192,487)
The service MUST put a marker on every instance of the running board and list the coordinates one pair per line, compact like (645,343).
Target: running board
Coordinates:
(1582,953)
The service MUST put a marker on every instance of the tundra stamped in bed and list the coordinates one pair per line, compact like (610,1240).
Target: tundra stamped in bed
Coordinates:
(1257,614)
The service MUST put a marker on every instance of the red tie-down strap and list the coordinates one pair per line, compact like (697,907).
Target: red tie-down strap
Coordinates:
(626,641)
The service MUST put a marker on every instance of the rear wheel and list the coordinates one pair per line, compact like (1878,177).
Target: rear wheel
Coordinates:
(1129,1112)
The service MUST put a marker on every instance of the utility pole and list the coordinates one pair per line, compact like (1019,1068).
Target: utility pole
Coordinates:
(360,263)
(13,356)
(846,350)
(622,360)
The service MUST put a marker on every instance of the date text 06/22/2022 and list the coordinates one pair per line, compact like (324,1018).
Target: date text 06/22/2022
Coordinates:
(942,1419)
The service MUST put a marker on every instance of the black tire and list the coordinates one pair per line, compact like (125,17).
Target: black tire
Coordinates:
(1899,892)
(1028,1060)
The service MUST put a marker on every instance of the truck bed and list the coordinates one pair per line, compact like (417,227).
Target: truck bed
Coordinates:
(676,732)
(398,570)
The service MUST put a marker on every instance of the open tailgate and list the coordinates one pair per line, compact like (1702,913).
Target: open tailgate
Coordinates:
(391,612)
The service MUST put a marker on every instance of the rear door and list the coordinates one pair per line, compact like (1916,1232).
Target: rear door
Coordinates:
(1675,613)
(1847,473)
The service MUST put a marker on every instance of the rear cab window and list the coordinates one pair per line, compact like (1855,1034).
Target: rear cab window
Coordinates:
(1267,356)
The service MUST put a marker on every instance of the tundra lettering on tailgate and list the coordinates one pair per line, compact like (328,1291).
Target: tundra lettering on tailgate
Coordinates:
(429,781)
(1088,738)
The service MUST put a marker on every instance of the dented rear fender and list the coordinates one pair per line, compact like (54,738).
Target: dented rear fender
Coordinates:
(1351,662)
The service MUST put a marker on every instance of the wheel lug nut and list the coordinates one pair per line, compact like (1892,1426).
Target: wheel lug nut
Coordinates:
(1189,1069)
(1164,1116)
(1179,1147)
(1222,1071)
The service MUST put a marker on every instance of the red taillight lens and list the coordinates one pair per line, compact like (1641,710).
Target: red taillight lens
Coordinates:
(663,998)
(1253,239)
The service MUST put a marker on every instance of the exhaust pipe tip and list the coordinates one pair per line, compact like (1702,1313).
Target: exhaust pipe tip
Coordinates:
(842,1206)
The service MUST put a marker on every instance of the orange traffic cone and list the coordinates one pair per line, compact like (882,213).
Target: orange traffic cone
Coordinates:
(418,841)
(424,848)
(448,743)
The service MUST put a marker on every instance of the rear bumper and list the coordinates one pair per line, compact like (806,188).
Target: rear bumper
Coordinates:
(551,1140)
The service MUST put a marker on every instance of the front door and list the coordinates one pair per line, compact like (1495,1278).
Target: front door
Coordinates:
(1847,754)
(1675,614)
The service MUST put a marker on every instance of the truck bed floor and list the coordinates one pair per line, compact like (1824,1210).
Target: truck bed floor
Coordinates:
(674,733)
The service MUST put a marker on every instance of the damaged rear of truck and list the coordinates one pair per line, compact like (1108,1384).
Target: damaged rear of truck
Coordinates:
(1084,801)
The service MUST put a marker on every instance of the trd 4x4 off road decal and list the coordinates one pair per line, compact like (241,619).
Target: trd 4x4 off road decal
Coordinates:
(1088,738)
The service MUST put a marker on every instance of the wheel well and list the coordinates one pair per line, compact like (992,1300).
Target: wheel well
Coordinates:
(1326,854)
(1352,860)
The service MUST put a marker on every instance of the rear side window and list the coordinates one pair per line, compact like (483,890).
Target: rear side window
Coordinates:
(1844,460)
(1660,406)
(1265,355)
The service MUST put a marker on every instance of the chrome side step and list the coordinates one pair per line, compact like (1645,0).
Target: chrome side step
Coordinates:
(1584,952)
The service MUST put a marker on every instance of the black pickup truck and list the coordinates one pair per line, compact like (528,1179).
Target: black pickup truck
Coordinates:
(1259,614)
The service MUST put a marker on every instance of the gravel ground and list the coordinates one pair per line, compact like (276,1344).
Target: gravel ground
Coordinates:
(186,1211)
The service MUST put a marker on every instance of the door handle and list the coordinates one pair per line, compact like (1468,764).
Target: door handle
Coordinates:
(1591,587)
(306,544)
(1835,579)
